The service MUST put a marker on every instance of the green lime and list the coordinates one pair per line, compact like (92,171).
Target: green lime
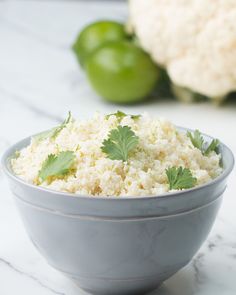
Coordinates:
(96,34)
(121,72)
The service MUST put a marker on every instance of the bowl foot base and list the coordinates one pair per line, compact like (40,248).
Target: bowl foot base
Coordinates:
(119,287)
(130,292)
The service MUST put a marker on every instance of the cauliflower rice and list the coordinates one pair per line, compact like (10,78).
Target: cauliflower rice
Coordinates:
(160,146)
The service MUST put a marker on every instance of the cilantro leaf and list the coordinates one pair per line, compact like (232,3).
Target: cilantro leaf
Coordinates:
(198,141)
(213,146)
(54,131)
(45,134)
(57,165)
(58,129)
(120,115)
(119,143)
(180,178)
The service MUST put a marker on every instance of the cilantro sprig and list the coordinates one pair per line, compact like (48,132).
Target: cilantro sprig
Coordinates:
(120,115)
(180,178)
(58,129)
(213,146)
(198,141)
(43,135)
(120,143)
(52,133)
(56,165)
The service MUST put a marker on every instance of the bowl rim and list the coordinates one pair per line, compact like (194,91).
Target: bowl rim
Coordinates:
(168,195)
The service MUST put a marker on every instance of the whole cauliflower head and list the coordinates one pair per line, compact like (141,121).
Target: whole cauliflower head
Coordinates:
(195,40)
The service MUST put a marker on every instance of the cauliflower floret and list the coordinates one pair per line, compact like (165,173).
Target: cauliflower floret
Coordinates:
(194,39)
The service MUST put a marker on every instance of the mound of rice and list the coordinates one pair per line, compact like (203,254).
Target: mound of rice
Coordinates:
(160,146)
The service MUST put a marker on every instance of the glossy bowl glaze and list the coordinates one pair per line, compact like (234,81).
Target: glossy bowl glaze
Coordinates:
(118,245)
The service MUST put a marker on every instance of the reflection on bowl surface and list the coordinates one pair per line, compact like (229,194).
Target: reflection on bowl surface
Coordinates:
(118,245)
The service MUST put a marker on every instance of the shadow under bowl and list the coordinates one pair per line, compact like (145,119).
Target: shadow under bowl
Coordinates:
(118,245)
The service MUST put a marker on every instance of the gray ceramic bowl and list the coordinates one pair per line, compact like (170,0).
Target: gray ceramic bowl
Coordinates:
(118,245)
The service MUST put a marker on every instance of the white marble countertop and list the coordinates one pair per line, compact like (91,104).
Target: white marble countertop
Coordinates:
(39,82)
